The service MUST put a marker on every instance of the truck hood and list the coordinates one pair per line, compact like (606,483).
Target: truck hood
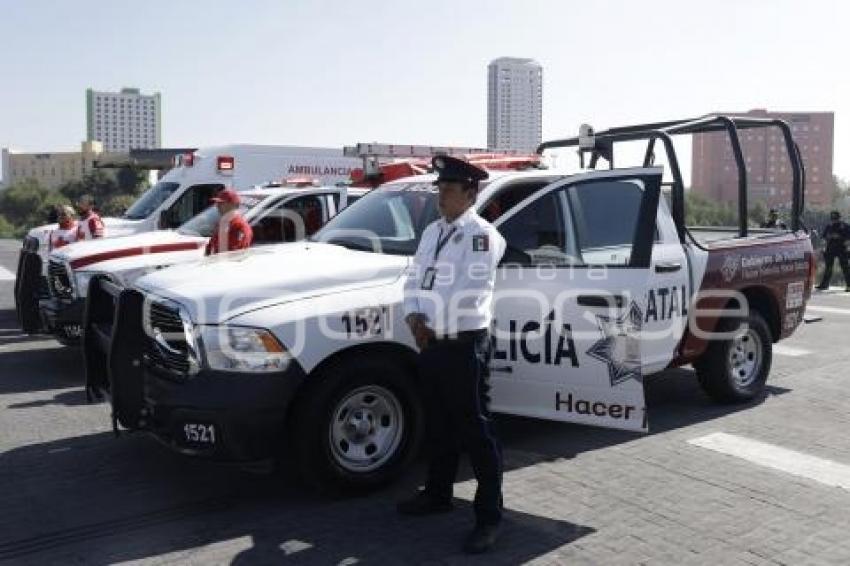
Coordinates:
(221,287)
(122,226)
(87,254)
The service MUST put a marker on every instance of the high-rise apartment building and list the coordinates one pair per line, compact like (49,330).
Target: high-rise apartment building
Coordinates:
(715,174)
(124,120)
(514,104)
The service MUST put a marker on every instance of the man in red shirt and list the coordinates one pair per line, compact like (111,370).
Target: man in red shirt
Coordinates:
(90,225)
(232,232)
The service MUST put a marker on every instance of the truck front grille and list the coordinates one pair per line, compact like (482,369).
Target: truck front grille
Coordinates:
(30,244)
(167,348)
(58,282)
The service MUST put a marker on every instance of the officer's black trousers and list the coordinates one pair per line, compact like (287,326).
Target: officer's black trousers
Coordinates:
(829,259)
(454,375)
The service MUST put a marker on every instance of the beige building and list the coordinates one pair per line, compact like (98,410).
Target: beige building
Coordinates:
(51,170)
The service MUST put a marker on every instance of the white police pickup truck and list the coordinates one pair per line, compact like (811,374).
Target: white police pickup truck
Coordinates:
(301,350)
(277,213)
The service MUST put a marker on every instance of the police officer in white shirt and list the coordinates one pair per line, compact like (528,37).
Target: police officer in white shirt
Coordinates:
(448,298)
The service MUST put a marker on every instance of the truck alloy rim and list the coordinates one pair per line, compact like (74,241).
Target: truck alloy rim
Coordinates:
(745,357)
(367,428)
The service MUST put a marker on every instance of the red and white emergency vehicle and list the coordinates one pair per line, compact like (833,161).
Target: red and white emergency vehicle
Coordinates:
(179,195)
(278,212)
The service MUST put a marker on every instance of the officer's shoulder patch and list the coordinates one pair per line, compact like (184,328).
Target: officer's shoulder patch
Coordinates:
(480,243)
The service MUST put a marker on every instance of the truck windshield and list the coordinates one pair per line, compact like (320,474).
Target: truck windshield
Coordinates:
(203,223)
(387,220)
(150,200)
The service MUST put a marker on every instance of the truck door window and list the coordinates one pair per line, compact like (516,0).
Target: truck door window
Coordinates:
(536,235)
(509,197)
(296,218)
(151,200)
(335,197)
(605,214)
(194,200)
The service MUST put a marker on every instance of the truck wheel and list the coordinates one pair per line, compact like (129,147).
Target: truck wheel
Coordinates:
(736,369)
(358,426)
(27,289)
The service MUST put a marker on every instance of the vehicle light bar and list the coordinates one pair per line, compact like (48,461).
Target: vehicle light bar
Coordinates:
(225,163)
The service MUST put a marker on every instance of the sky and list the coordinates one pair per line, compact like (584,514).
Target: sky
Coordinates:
(333,73)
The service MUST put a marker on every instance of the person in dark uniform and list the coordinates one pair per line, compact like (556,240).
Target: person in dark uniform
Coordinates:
(837,237)
(232,232)
(448,298)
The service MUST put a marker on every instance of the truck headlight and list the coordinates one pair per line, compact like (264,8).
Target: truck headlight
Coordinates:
(243,349)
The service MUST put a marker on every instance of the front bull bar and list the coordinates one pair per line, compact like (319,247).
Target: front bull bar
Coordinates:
(113,344)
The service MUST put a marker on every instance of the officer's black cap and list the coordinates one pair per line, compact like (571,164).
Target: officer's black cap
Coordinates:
(456,170)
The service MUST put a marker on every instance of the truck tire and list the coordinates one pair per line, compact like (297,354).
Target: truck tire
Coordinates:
(358,426)
(27,288)
(735,370)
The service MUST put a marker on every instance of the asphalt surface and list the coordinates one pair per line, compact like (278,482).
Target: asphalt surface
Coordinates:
(72,493)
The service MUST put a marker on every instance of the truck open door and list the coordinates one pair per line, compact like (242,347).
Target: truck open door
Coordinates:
(570,300)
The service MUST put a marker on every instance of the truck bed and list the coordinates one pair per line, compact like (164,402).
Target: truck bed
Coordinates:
(718,237)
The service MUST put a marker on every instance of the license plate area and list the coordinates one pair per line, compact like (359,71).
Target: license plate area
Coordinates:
(194,434)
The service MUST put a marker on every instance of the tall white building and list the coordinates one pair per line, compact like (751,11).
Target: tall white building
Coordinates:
(514,104)
(124,120)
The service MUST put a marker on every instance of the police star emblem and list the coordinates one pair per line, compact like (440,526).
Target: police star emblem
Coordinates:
(619,346)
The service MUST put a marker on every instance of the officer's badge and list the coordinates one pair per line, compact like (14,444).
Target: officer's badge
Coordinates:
(619,346)
(457,238)
(481,243)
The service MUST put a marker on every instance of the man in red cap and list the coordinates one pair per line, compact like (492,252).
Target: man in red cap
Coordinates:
(232,232)
(90,225)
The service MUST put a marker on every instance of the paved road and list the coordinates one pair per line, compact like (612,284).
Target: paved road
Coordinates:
(72,493)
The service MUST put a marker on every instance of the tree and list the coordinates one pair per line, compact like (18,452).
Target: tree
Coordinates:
(116,206)
(128,181)
(7,230)
(131,180)
(702,211)
(27,204)
(18,202)
(96,184)
(840,192)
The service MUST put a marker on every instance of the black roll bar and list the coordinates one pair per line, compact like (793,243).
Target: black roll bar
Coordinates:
(603,141)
